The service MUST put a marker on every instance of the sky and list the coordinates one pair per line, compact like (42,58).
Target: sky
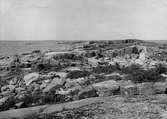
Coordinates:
(83,19)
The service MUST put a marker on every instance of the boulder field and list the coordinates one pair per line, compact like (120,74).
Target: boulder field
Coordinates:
(97,80)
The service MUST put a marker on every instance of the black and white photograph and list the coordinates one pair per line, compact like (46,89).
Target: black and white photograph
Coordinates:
(83,59)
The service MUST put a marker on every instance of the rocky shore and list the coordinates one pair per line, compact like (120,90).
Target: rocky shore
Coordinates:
(124,79)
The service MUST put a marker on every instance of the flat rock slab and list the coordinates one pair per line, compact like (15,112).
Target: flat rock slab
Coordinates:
(114,107)
(21,113)
(47,109)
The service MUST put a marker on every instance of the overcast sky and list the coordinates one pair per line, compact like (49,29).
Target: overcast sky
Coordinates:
(83,19)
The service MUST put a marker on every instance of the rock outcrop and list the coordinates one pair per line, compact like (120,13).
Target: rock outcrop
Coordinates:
(83,79)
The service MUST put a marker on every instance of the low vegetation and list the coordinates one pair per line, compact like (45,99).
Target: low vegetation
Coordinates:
(106,69)
(77,74)
(138,75)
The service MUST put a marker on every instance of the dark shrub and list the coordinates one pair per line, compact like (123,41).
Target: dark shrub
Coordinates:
(134,68)
(106,69)
(68,56)
(135,50)
(36,51)
(52,97)
(114,54)
(138,75)
(40,67)
(90,54)
(160,68)
(8,104)
(77,74)
(153,76)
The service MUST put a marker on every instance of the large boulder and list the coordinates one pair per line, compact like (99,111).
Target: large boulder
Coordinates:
(160,87)
(107,88)
(56,83)
(151,88)
(29,78)
(93,61)
(75,82)
(146,88)
(87,92)
(71,93)
(61,74)
(129,90)
(73,90)
(20,105)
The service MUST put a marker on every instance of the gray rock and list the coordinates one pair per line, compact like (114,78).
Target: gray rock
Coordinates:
(34,87)
(107,88)
(19,89)
(75,82)
(3,100)
(61,74)
(129,90)
(29,78)
(13,81)
(87,93)
(146,88)
(160,87)
(73,91)
(20,96)
(93,61)
(55,83)
(5,93)
(51,75)
(43,85)
(19,105)
(8,87)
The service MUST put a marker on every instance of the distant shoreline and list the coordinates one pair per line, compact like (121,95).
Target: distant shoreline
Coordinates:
(16,47)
